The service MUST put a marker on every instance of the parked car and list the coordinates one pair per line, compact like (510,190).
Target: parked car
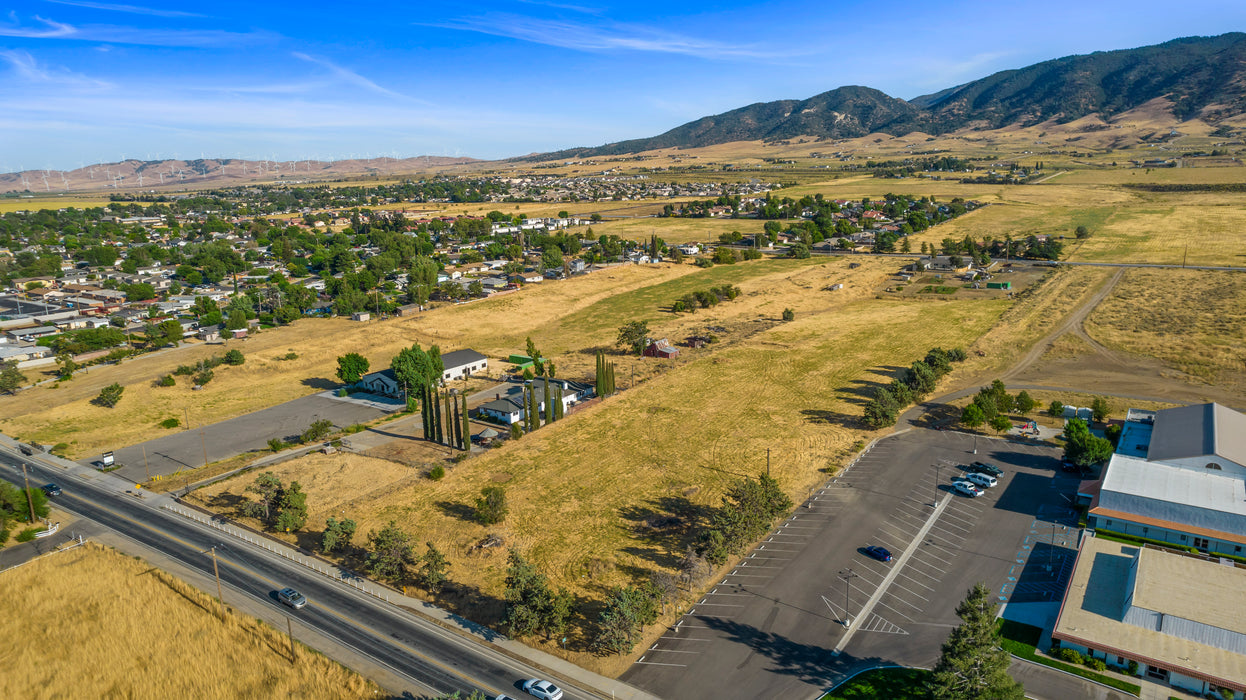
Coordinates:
(291,597)
(52,489)
(986,481)
(879,553)
(503,697)
(1069,466)
(966,488)
(542,689)
(984,468)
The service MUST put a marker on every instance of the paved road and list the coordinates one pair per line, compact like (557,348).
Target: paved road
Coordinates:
(185,449)
(431,659)
(774,626)
(1044,683)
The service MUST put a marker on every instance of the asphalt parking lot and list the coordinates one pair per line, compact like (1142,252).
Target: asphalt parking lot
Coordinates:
(185,449)
(775,625)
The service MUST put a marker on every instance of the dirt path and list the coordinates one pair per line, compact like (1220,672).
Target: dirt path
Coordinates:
(1074,323)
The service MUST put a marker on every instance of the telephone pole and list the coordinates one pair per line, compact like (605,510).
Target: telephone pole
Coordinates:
(29,500)
(216,569)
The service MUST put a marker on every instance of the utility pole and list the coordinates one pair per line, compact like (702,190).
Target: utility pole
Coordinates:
(847,575)
(216,569)
(935,502)
(29,500)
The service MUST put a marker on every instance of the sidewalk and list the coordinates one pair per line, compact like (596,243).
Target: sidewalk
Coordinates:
(534,657)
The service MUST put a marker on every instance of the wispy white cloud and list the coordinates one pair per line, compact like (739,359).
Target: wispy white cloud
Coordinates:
(564,6)
(581,36)
(351,77)
(23,67)
(50,29)
(131,9)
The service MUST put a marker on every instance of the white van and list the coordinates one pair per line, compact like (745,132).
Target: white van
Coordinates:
(983,480)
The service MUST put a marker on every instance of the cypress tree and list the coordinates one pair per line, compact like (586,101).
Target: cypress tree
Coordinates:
(558,406)
(440,428)
(449,417)
(597,377)
(467,426)
(549,407)
(424,409)
(534,415)
(458,424)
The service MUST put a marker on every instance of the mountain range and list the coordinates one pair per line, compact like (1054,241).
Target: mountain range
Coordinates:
(1199,77)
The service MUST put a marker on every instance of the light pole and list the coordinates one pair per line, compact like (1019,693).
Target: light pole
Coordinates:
(847,575)
(938,468)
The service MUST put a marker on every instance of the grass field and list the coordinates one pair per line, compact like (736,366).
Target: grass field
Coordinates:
(884,684)
(36,203)
(580,489)
(93,623)
(1189,319)
(677,230)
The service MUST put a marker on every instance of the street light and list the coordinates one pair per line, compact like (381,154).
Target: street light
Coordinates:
(847,575)
(938,467)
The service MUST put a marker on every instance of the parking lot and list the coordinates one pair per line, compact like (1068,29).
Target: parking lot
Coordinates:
(809,606)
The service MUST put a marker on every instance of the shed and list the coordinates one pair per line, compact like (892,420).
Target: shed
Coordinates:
(360,316)
(661,348)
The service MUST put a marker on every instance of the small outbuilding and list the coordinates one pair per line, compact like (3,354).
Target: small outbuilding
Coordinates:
(661,348)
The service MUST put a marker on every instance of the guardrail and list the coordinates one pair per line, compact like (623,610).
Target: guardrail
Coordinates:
(336,573)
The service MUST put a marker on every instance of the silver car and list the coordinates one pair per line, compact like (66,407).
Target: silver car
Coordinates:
(291,597)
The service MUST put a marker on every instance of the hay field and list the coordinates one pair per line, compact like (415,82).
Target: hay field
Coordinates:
(1191,320)
(578,489)
(677,230)
(116,627)
(565,318)
(1197,235)
(50,202)
(1129,175)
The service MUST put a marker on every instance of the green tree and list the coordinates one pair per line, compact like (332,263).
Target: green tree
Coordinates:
(318,430)
(1100,408)
(337,534)
(389,553)
(292,510)
(920,378)
(351,367)
(491,505)
(433,568)
(65,366)
(110,395)
(527,594)
(268,488)
(414,367)
(538,363)
(16,503)
(971,416)
(1082,233)
(234,357)
(1083,448)
(789,315)
(1056,409)
(973,665)
(1000,423)
(1024,402)
(881,410)
(632,335)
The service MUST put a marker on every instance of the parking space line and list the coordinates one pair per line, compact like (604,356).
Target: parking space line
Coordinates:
(689,639)
(896,611)
(914,581)
(641,660)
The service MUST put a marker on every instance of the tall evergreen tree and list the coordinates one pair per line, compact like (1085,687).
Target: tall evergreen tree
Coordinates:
(437,408)
(974,666)
(549,407)
(449,416)
(458,422)
(467,426)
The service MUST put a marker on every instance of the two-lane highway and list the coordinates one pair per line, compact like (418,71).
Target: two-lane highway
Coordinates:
(435,660)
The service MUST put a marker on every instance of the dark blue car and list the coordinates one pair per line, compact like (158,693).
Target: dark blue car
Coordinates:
(879,553)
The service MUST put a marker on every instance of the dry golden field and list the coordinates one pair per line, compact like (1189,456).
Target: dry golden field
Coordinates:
(579,489)
(8,204)
(1192,320)
(92,623)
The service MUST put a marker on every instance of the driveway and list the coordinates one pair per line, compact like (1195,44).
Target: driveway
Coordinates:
(775,625)
(186,449)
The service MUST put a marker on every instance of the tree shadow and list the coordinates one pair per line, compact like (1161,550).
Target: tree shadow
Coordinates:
(810,663)
(462,511)
(321,384)
(668,524)
(227,502)
(860,391)
(817,415)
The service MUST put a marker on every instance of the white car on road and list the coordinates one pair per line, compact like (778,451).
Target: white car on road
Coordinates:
(986,481)
(966,488)
(542,689)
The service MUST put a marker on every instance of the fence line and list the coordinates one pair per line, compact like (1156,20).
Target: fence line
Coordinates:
(338,574)
(77,541)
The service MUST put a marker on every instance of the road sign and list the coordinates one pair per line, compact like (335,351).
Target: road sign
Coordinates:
(108,459)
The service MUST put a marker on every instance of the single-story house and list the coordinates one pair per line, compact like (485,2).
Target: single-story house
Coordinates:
(384,383)
(572,392)
(360,316)
(506,410)
(463,363)
(661,348)
(410,309)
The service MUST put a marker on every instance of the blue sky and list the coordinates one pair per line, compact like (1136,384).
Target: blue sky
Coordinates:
(85,81)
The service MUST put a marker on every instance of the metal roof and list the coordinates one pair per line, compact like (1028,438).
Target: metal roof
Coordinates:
(1207,500)
(1195,431)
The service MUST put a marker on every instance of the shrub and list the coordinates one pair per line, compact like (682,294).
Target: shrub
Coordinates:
(516,431)
(1133,667)
(1095,664)
(277,444)
(170,423)
(788,314)
(166,380)
(1070,655)
(110,395)
(204,377)
(343,393)
(752,254)
(27,535)
(184,370)
(234,357)
(289,356)
(437,473)
(704,262)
